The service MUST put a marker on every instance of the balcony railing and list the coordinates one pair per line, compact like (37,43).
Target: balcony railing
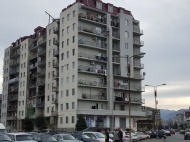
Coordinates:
(117,72)
(41,82)
(116,35)
(33,46)
(11,118)
(125,86)
(116,60)
(39,94)
(90,83)
(55,88)
(55,64)
(14,63)
(116,48)
(54,100)
(138,31)
(33,95)
(138,76)
(41,40)
(88,69)
(96,44)
(133,100)
(41,72)
(32,85)
(56,30)
(13,89)
(94,97)
(41,52)
(15,54)
(138,65)
(13,98)
(12,107)
(138,42)
(54,113)
(92,57)
(56,53)
(42,63)
(94,30)
(32,57)
(55,76)
(56,42)
(14,80)
(15,71)
(41,104)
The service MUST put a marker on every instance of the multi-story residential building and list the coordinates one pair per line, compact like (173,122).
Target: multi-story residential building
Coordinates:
(74,67)
(0,105)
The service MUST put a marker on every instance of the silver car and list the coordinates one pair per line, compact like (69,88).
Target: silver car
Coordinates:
(65,138)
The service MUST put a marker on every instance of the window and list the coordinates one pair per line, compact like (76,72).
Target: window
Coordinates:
(19,103)
(20,84)
(19,113)
(98,4)
(49,31)
(67,119)
(73,91)
(62,56)
(63,32)
(73,52)
(62,68)
(126,45)
(73,39)
(61,106)
(48,75)
(73,105)
(48,86)
(61,94)
(22,113)
(25,46)
(62,81)
(68,17)
(73,65)
(67,42)
(24,64)
(49,42)
(67,92)
(68,29)
(126,34)
(67,106)
(49,53)
(110,8)
(74,13)
(73,78)
(49,64)
(67,67)
(48,98)
(61,120)
(73,26)
(24,55)
(67,54)
(62,44)
(23,93)
(67,79)
(22,102)
(73,119)
(24,74)
(126,22)
(20,75)
(63,20)
(23,83)
(47,109)
(22,47)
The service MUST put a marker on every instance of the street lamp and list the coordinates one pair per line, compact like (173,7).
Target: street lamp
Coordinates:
(129,75)
(155,95)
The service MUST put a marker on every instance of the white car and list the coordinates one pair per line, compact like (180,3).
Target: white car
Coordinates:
(126,137)
(65,138)
(142,135)
(20,137)
(96,136)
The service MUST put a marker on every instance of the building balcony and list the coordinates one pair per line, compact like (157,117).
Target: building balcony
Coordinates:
(15,54)
(95,45)
(42,41)
(55,88)
(15,71)
(32,95)
(138,76)
(137,31)
(95,19)
(116,48)
(40,83)
(116,36)
(135,21)
(89,83)
(138,43)
(55,76)
(117,72)
(42,64)
(31,57)
(125,86)
(55,100)
(32,85)
(13,89)
(55,64)
(116,60)
(136,54)
(40,104)
(126,100)
(12,98)
(56,42)
(93,97)
(14,81)
(14,63)
(54,113)
(41,72)
(56,30)
(12,108)
(33,46)
(138,65)
(96,58)
(40,94)
(93,31)
(56,53)
(91,70)
(11,118)
(42,53)
(33,66)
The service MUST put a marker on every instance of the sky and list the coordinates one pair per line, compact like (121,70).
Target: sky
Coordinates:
(166,26)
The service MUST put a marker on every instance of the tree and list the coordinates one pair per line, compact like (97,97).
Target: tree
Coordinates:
(81,124)
(181,126)
(175,126)
(160,127)
(28,124)
(40,122)
(149,126)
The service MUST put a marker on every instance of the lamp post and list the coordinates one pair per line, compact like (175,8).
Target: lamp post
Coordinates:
(155,95)
(129,75)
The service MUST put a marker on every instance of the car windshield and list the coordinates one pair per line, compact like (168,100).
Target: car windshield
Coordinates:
(111,135)
(68,137)
(4,138)
(23,137)
(3,131)
(99,135)
(85,137)
(48,139)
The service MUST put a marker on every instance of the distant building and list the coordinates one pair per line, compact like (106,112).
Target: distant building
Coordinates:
(0,105)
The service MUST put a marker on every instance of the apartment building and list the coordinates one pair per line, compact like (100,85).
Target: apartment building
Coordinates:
(77,65)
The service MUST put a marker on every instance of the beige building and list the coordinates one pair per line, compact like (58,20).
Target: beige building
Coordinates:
(75,66)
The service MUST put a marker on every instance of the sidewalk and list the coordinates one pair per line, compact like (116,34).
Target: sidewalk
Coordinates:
(154,140)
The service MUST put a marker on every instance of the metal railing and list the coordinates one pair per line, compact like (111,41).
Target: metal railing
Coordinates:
(93,96)
(15,62)
(97,44)
(14,80)
(56,29)
(125,86)
(95,18)
(14,71)
(41,40)
(139,42)
(41,104)
(137,30)
(41,82)
(55,76)
(13,89)
(41,52)
(115,35)
(13,107)
(56,41)
(55,64)
(138,76)
(90,83)
(13,97)
(92,57)
(91,69)
(139,65)
(116,48)
(15,53)
(94,30)
(41,63)
(116,60)
(117,72)
(55,88)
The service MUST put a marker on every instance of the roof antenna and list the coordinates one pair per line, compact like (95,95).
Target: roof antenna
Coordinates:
(49,17)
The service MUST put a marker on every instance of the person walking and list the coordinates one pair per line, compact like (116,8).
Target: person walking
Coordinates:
(120,135)
(116,136)
(107,135)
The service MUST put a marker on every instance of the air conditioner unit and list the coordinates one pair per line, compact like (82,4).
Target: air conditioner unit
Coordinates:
(92,62)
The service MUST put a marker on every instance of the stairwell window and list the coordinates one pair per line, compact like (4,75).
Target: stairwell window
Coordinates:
(61,120)
(62,56)
(62,44)
(63,20)
(73,26)
(73,39)
(110,8)
(67,42)
(74,13)
(126,34)
(68,17)
(99,4)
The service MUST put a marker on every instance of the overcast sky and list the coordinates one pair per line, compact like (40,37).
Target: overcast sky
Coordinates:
(166,25)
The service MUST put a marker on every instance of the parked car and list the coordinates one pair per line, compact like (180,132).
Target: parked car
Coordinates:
(187,136)
(182,131)
(126,137)
(96,136)
(4,137)
(172,131)
(53,132)
(65,138)
(111,135)
(2,129)
(167,132)
(46,130)
(142,135)
(17,137)
(84,138)
(45,138)
(161,134)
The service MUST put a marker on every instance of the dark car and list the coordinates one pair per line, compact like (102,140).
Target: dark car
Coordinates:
(187,136)
(161,134)
(45,138)
(53,132)
(172,131)
(182,131)
(4,138)
(84,138)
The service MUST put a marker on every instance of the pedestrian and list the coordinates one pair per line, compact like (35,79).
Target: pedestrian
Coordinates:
(107,135)
(120,135)
(116,136)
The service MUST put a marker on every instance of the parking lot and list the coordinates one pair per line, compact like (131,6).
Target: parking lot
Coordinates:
(154,140)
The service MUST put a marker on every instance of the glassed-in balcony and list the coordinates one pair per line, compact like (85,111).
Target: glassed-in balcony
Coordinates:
(93,97)
(14,71)
(92,70)
(115,35)
(42,64)
(126,100)
(137,31)
(138,43)
(12,97)
(14,81)
(56,53)
(15,54)
(138,65)
(56,64)
(56,42)
(56,30)
(13,89)
(12,107)
(102,45)
(89,83)
(14,63)
(40,104)
(40,82)
(90,57)
(55,88)
(117,72)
